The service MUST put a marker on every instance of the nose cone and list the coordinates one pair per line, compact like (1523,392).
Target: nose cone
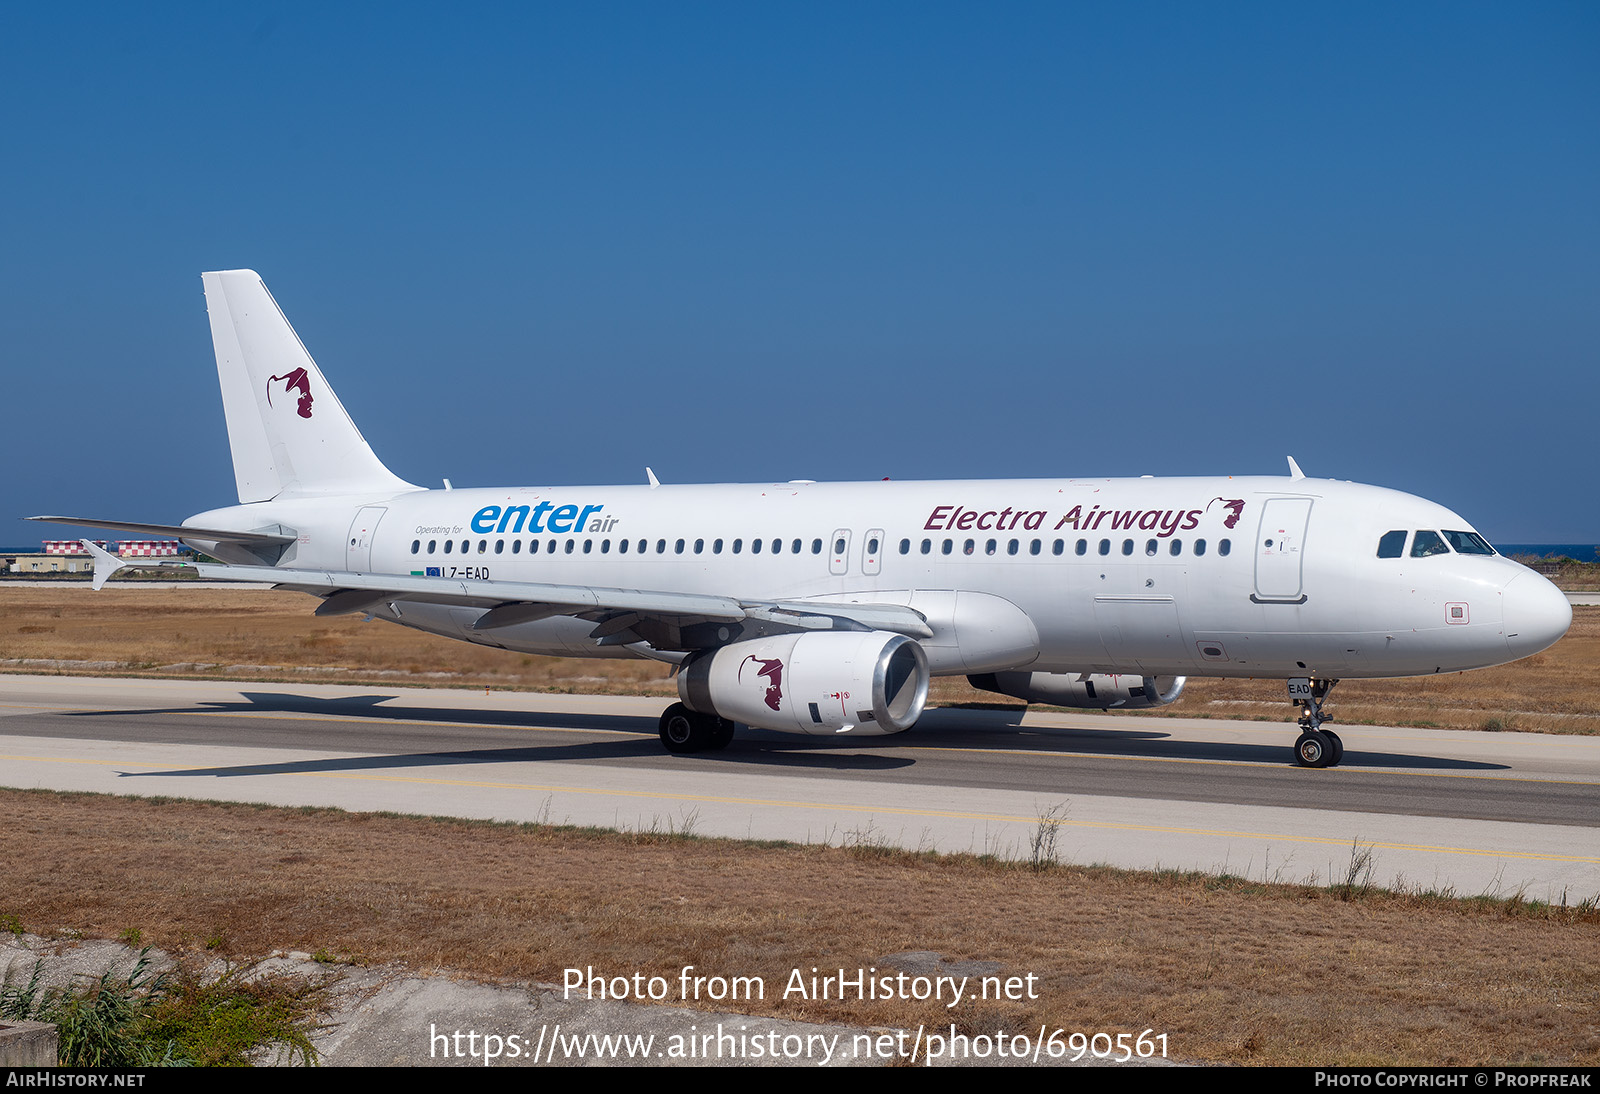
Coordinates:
(1537,614)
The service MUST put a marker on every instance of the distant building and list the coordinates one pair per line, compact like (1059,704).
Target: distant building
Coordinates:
(67,556)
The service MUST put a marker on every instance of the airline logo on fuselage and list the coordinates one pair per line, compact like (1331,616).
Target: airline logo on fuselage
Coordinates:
(547,516)
(1163,522)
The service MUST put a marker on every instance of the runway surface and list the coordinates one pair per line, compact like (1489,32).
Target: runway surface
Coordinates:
(1477,812)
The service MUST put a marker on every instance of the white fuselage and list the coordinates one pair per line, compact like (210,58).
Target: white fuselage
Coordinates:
(1273,577)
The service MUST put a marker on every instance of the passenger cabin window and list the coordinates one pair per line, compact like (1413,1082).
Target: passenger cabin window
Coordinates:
(499,546)
(1177,547)
(1199,547)
(816,546)
(1081,547)
(927,546)
(1150,547)
(1224,546)
(1127,546)
(794,548)
(1105,546)
(1393,544)
(905,546)
(1469,543)
(1428,543)
(449,545)
(416,545)
(432,543)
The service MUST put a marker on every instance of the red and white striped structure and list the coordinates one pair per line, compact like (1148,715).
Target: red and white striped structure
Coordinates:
(152,548)
(68,546)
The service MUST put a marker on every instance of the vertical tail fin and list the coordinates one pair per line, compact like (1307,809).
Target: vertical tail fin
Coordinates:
(289,433)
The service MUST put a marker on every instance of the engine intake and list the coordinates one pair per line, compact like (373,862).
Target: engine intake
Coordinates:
(861,682)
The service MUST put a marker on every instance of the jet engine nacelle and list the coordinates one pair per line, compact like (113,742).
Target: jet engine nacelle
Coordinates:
(1083,689)
(861,682)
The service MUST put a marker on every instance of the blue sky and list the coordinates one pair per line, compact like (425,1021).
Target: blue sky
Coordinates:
(552,244)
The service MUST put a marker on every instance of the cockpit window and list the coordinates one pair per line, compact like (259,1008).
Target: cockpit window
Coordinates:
(1469,543)
(1428,543)
(1392,545)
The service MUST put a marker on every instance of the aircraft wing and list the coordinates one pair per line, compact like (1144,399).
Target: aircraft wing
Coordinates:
(619,614)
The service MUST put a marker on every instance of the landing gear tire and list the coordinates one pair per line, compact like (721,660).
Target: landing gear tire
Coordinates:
(1338,747)
(684,730)
(1314,749)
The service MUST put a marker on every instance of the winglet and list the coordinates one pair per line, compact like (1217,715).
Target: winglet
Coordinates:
(1294,470)
(105,563)
(651,475)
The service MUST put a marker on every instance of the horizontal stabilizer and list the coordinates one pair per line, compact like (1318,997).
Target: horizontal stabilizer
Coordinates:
(105,563)
(177,531)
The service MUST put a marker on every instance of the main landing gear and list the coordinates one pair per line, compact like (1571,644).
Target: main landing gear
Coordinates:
(1315,747)
(685,730)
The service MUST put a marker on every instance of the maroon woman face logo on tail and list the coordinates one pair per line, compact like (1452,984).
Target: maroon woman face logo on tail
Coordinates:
(773,671)
(294,381)
(1235,506)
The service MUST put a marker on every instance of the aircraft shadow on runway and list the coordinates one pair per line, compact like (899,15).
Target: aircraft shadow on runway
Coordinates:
(945,729)
(367,707)
(1131,744)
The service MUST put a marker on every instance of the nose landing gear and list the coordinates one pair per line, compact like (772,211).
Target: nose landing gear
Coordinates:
(1315,747)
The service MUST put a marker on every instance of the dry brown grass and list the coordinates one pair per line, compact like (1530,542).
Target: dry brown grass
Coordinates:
(1230,970)
(1557,691)
(254,634)
(166,632)
(1567,573)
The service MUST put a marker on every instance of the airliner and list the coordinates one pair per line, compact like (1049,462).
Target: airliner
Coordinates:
(826,608)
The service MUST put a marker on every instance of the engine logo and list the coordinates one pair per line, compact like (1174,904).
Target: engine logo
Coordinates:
(773,671)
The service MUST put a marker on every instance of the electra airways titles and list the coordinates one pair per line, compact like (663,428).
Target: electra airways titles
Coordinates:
(826,608)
